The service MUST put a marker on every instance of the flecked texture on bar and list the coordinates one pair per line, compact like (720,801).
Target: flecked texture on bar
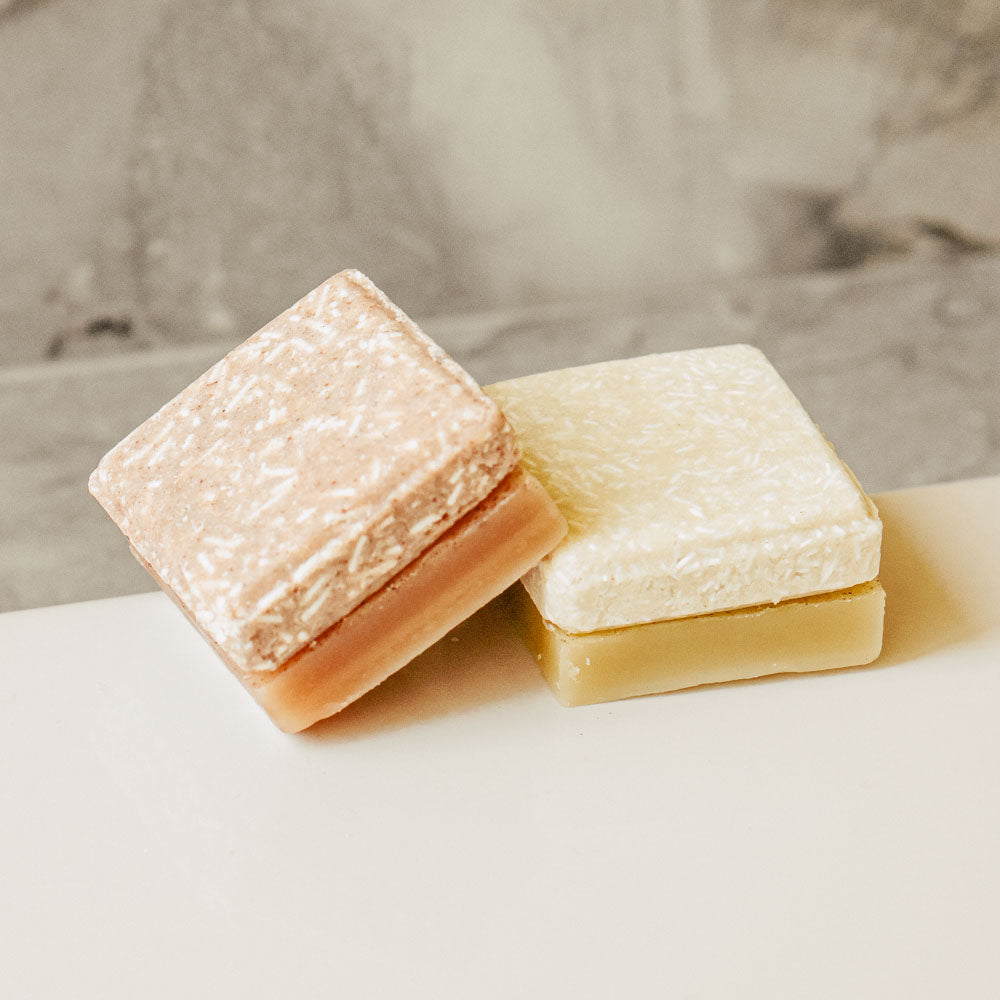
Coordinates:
(304,470)
(692,482)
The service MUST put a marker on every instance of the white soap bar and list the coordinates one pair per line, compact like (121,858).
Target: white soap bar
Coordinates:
(692,482)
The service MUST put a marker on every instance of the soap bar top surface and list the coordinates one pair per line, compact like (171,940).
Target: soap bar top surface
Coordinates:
(692,482)
(304,470)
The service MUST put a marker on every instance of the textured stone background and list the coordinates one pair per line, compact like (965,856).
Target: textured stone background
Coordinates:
(176,170)
(540,182)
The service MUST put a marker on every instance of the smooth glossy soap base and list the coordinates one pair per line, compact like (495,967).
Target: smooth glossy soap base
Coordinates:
(824,632)
(475,560)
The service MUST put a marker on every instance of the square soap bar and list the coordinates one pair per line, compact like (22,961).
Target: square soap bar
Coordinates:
(305,471)
(694,485)
(692,482)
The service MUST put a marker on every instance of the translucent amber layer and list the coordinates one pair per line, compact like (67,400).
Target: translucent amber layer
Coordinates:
(473,562)
(839,629)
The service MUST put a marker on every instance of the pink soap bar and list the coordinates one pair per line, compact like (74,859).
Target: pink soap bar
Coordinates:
(304,471)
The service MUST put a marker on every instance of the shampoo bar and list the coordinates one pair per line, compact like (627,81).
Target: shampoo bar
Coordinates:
(693,484)
(307,470)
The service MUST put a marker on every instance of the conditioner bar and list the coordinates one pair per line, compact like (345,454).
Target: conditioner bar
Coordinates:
(694,484)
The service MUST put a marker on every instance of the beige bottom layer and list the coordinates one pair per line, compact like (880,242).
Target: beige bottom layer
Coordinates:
(840,629)
(474,561)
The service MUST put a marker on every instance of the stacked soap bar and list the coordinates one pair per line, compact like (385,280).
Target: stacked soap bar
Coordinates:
(713,532)
(328,500)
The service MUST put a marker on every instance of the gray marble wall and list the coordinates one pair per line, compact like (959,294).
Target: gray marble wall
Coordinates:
(541,182)
(180,170)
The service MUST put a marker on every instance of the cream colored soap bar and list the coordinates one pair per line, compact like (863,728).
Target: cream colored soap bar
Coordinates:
(692,483)
(823,632)
(714,535)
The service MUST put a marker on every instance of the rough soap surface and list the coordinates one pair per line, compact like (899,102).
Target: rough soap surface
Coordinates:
(304,470)
(692,482)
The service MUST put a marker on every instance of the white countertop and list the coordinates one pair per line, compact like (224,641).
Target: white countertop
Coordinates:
(457,833)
